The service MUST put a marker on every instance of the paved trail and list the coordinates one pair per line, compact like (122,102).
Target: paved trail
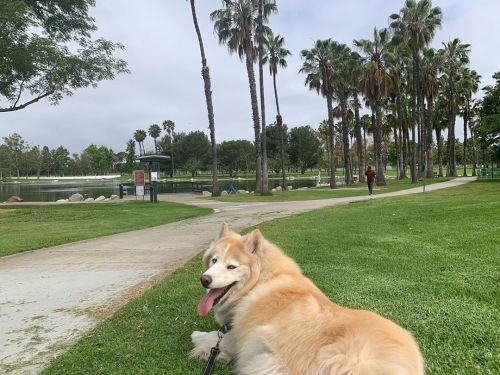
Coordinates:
(50,297)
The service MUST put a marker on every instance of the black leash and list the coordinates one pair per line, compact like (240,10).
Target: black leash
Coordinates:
(214,352)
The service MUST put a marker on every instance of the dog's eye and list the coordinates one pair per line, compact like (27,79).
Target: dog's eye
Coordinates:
(214,260)
(231,267)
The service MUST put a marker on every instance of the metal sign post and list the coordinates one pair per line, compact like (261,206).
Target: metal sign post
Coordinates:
(139,183)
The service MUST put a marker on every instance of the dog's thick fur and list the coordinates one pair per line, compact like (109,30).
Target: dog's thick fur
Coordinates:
(283,324)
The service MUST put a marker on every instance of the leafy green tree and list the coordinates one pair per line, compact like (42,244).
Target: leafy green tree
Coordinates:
(236,156)
(205,73)
(47,162)
(61,158)
(305,148)
(193,152)
(277,140)
(100,159)
(130,158)
(37,61)
(154,132)
(16,146)
(5,162)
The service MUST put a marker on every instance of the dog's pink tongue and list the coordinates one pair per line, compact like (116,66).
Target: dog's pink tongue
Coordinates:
(207,302)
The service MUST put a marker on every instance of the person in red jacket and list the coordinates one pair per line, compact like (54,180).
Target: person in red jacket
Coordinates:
(370,178)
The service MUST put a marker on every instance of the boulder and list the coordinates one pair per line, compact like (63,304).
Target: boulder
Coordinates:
(224,192)
(114,197)
(279,188)
(290,187)
(206,193)
(62,200)
(90,199)
(303,188)
(100,198)
(274,190)
(14,199)
(76,198)
(242,192)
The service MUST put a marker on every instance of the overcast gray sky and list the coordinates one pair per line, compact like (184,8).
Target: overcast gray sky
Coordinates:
(165,83)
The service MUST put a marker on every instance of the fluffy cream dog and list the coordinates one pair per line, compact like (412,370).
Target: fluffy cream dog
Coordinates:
(283,324)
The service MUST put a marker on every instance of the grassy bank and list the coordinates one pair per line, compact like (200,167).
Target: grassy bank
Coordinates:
(429,262)
(32,227)
(326,193)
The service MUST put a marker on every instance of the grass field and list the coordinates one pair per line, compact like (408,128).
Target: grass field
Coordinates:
(325,193)
(32,227)
(429,262)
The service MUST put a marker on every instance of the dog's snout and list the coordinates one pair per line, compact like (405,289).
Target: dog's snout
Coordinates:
(205,280)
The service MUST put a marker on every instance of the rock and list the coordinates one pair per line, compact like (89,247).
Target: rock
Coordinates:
(89,199)
(206,193)
(76,198)
(288,188)
(224,192)
(303,188)
(273,190)
(106,199)
(242,192)
(114,197)
(14,199)
(100,198)
(279,188)
(62,200)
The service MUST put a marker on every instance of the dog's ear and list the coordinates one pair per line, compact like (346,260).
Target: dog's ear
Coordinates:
(224,230)
(253,242)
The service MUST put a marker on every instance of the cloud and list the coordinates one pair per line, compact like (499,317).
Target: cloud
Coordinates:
(165,83)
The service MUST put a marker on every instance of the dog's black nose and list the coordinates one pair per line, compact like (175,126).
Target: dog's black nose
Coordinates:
(205,280)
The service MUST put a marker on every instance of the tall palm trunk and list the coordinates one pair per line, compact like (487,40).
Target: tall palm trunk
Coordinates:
(205,73)
(359,141)
(345,140)
(452,163)
(377,138)
(256,121)
(399,112)
(279,123)
(265,180)
(331,141)
(415,71)
(466,118)
(474,151)
(439,141)
(428,143)
(420,123)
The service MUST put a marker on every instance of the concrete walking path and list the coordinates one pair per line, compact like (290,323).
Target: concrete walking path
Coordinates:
(51,297)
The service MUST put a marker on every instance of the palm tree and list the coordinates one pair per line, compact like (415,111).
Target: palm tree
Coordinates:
(140,136)
(455,56)
(431,83)
(468,85)
(169,127)
(275,56)
(415,26)
(376,83)
(154,132)
(205,73)
(318,65)
(235,25)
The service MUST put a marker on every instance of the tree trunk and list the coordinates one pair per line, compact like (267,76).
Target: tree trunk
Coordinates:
(474,151)
(399,111)
(279,123)
(428,143)
(466,115)
(452,162)
(415,71)
(359,141)
(377,138)
(345,141)
(439,141)
(421,124)
(265,177)
(331,140)
(205,73)
(256,122)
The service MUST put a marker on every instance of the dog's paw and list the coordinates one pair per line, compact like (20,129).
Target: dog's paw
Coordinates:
(202,342)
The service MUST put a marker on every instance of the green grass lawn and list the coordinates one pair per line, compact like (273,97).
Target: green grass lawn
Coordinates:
(429,262)
(32,227)
(325,193)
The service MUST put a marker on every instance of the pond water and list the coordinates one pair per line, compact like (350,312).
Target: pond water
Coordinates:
(52,191)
